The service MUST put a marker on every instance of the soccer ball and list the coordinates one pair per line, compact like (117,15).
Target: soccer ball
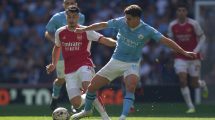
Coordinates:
(60,113)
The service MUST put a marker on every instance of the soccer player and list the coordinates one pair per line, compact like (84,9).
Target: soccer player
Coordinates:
(77,58)
(132,35)
(58,20)
(188,34)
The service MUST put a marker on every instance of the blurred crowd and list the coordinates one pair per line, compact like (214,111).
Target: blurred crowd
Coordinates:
(24,52)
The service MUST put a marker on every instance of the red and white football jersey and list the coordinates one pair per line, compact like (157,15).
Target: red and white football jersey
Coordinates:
(75,47)
(185,35)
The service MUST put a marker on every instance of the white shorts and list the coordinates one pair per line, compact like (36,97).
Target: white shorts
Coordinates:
(74,80)
(115,68)
(192,67)
(60,69)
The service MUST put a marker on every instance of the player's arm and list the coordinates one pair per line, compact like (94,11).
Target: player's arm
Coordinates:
(55,57)
(51,27)
(49,36)
(55,54)
(95,26)
(201,42)
(200,36)
(107,41)
(170,43)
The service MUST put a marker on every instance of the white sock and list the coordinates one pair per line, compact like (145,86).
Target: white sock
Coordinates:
(99,107)
(186,95)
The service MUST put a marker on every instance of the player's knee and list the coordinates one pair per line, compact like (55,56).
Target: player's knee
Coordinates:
(131,87)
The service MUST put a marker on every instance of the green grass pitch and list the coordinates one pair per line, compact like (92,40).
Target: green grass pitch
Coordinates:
(149,111)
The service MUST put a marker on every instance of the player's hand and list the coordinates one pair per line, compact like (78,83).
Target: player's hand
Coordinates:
(79,30)
(192,55)
(50,68)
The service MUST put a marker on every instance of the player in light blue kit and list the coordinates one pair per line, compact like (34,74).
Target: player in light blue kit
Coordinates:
(132,36)
(58,20)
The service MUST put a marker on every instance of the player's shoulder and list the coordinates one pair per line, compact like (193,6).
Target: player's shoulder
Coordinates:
(61,29)
(192,21)
(83,26)
(59,14)
(146,27)
(117,19)
(174,22)
(120,19)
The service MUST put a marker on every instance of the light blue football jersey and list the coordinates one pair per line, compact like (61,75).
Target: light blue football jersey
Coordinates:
(131,41)
(58,20)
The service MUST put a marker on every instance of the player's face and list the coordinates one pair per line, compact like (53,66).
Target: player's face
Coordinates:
(181,13)
(131,21)
(67,3)
(72,19)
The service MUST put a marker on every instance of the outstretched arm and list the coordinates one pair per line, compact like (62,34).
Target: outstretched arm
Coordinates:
(107,41)
(95,26)
(170,43)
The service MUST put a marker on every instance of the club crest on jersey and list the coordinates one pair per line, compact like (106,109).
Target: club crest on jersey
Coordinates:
(79,36)
(140,36)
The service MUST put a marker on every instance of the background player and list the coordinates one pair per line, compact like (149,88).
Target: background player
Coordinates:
(58,20)
(132,35)
(188,34)
(77,58)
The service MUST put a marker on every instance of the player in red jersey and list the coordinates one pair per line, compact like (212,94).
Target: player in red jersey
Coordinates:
(79,68)
(188,34)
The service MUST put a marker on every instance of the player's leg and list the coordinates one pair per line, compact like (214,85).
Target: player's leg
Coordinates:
(181,67)
(96,83)
(57,84)
(204,87)
(73,85)
(103,77)
(131,77)
(130,84)
(132,109)
(194,71)
(86,74)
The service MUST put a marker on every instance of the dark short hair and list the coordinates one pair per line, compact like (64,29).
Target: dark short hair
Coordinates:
(133,10)
(182,5)
(72,8)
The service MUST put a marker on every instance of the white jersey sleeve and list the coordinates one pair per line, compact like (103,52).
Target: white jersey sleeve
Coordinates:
(93,36)
(200,36)
(198,29)
(57,39)
(169,32)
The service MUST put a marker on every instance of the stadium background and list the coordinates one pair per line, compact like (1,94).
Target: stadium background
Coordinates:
(24,53)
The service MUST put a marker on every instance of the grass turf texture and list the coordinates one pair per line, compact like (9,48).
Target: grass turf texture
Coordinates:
(149,111)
